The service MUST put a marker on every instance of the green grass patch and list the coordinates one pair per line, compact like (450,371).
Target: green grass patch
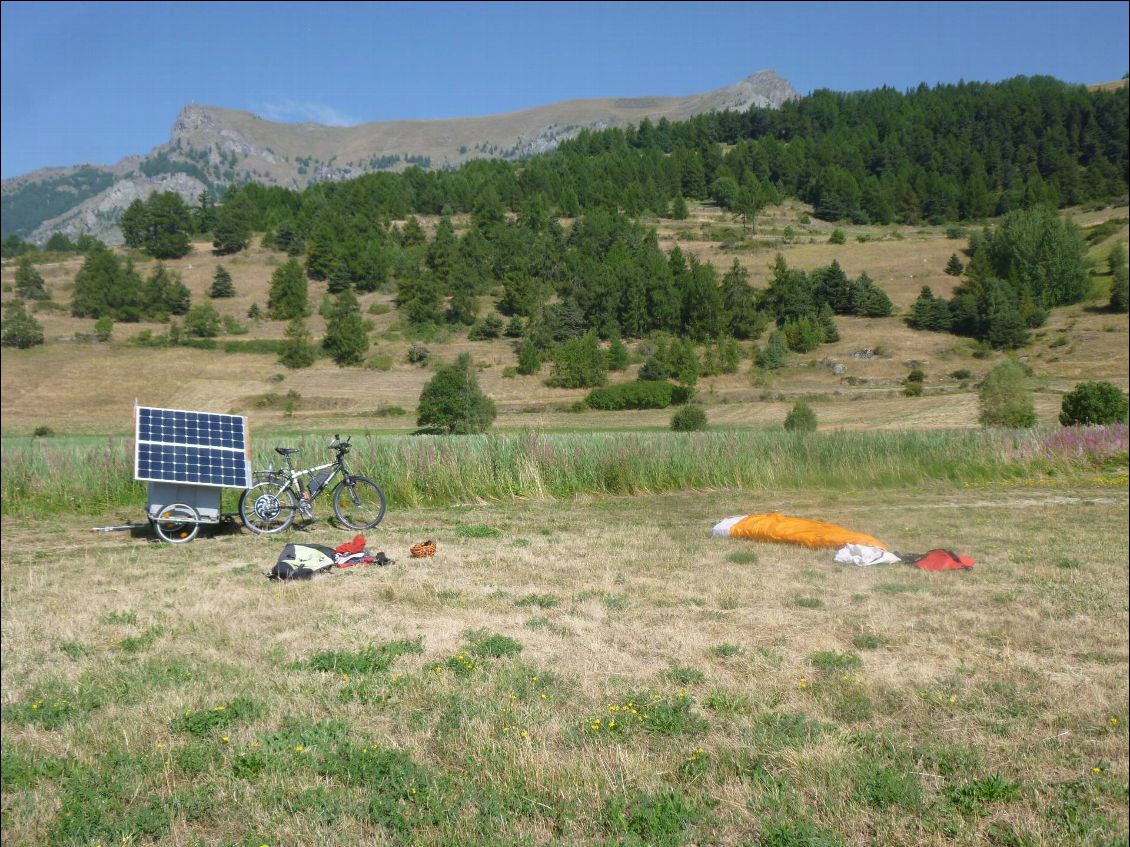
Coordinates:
(726,651)
(491,645)
(973,797)
(203,721)
(808,603)
(742,557)
(477,531)
(542,601)
(376,658)
(684,675)
(832,662)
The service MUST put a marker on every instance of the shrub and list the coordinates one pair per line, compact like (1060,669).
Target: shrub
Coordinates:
(19,329)
(837,237)
(490,327)
(202,321)
(690,418)
(418,354)
(803,334)
(631,395)
(800,418)
(529,359)
(1093,403)
(579,363)
(104,328)
(1005,398)
(453,403)
(912,389)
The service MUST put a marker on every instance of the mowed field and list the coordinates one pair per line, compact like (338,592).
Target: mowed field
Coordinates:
(593,671)
(76,386)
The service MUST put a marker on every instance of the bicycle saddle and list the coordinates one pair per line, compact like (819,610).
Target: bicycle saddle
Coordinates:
(286,451)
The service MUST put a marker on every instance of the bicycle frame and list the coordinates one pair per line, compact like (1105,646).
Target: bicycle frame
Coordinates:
(295,477)
(278,494)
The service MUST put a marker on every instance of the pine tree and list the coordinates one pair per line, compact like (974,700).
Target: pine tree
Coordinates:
(164,293)
(29,282)
(775,354)
(104,286)
(419,297)
(921,311)
(803,334)
(529,360)
(617,353)
(288,298)
(232,229)
(1000,324)
(954,267)
(297,349)
(346,340)
(828,325)
(222,285)
(168,226)
(739,303)
(1119,292)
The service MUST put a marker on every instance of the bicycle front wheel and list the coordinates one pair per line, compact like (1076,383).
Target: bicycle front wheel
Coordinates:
(267,507)
(359,503)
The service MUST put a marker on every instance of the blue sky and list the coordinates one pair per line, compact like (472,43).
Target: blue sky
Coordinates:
(93,82)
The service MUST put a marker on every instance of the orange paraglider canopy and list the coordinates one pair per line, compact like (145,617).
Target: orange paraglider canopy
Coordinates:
(784,529)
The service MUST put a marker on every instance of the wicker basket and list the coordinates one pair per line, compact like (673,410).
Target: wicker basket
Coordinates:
(422,551)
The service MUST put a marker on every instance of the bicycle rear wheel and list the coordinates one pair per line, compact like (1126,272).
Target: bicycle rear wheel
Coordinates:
(267,507)
(359,503)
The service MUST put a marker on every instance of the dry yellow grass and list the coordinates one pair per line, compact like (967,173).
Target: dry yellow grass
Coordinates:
(1017,668)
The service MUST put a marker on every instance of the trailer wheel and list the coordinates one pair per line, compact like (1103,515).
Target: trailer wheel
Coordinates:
(177,523)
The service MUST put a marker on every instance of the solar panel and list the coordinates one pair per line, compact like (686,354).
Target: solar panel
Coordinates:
(198,448)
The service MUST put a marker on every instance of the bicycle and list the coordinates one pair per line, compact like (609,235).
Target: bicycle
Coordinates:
(271,503)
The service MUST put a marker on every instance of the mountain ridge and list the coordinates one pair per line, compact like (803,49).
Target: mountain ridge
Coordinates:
(211,147)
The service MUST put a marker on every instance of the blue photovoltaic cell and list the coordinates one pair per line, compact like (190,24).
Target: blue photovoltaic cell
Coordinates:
(166,426)
(198,465)
(198,448)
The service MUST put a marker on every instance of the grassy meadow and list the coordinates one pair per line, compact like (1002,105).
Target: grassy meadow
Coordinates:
(580,663)
(583,670)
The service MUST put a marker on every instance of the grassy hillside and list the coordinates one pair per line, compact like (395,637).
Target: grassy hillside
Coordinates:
(74,385)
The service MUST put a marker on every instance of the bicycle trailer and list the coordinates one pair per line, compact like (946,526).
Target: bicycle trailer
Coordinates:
(187,458)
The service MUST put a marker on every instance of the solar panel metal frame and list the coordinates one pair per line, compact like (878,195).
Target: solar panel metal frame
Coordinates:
(202,448)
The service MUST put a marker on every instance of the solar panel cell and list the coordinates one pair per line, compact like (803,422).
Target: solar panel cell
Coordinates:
(202,448)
